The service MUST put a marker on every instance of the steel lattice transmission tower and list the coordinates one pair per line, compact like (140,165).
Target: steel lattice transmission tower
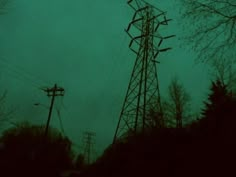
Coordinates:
(143,97)
(88,141)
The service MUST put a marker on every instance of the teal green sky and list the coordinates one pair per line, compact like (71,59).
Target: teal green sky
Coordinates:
(81,45)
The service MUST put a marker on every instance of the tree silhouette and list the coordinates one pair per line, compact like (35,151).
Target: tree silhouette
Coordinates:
(213,28)
(206,148)
(80,162)
(219,111)
(224,70)
(178,103)
(27,152)
(157,117)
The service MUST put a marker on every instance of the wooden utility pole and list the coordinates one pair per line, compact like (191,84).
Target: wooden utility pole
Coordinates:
(53,92)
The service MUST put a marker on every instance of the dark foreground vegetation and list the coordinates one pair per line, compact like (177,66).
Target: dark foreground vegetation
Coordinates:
(26,151)
(205,148)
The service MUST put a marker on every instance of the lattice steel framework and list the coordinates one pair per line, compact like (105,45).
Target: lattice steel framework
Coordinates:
(143,97)
(88,143)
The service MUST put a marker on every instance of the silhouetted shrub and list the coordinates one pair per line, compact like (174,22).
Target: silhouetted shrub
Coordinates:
(28,152)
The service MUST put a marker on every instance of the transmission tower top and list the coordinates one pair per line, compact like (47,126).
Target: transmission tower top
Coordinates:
(146,13)
(142,106)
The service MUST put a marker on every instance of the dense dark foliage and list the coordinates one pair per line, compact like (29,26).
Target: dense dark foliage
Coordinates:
(26,151)
(204,148)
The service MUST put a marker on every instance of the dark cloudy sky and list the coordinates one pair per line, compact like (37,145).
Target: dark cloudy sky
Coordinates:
(81,45)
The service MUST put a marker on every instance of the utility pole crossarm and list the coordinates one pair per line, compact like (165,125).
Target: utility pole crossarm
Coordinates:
(54,90)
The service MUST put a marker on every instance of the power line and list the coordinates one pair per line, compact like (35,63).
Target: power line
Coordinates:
(25,71)
(58,108)
(21,74)
(18,77)
(60,121)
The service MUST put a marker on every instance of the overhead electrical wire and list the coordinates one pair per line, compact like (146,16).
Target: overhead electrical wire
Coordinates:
(60,121)
(77,146)
(27,72)
(14,75)
(22,74)
(63,106)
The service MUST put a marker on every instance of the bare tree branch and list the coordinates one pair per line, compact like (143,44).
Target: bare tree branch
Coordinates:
(177,105)
(225,71)
(212,33)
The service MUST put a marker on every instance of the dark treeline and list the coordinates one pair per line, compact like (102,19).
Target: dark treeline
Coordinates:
(203,148)
(206,147)
(26,151)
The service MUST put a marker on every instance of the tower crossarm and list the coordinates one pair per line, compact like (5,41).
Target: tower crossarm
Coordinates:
(140,18)
(134,22)
(133,3)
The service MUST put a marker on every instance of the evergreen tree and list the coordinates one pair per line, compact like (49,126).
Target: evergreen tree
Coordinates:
(218,111)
